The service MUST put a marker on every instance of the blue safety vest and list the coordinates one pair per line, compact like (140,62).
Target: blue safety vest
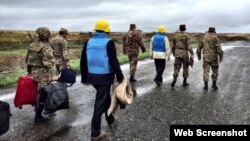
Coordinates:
(98,61)
(159,43)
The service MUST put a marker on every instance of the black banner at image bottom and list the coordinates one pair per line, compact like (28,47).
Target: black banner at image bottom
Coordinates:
(211,132)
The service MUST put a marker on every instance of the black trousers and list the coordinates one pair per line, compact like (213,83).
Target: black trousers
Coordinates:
(102,103)
(160,67)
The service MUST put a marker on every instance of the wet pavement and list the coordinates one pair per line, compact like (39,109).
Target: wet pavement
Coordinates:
(153,109)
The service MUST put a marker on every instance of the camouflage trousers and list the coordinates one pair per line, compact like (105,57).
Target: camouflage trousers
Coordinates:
(177,66)
(43,77)
(60,63)
(206,67)
(133,59)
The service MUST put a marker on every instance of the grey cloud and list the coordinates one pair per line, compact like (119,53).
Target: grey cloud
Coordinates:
(80,15)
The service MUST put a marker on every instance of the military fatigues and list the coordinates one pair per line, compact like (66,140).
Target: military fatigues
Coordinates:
(40,61)
(211,50)
(40,64)
(180,50)
(61,53)
(131,43)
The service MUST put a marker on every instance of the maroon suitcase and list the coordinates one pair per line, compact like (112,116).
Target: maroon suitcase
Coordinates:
(26,92)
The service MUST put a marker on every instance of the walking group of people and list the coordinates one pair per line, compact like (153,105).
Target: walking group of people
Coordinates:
(99,64)
(160,50)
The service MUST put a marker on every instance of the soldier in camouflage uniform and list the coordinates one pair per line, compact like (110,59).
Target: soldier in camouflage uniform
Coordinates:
(60,47)
(131,43)
(40,64)
(180,51)
(211,50)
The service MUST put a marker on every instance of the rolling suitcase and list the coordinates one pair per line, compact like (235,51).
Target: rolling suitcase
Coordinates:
(26,92)
(4,117)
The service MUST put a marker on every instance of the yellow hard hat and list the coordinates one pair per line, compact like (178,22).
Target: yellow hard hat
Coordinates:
(162,29)
(102,25)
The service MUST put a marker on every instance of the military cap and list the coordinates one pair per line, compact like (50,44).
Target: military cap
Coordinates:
(182,27)
(211,30)
(132,26)
(64,30)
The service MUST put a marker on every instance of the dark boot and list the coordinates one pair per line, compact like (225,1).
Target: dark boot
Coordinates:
(214,86)
(174,81)
(185,84)
(38,117)
(158,83)
(132,79)
(206,86)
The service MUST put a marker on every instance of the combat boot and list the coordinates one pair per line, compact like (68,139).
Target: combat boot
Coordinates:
(214,86)
(206,86)
(174,81)
(185,84)
(132,79)
(39,117)
(101,136)
(158,83)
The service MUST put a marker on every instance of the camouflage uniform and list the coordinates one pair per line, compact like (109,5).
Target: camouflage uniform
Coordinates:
(40,59)
(180,51)
(211,49)
(61,53)
(131,43)
(40,64)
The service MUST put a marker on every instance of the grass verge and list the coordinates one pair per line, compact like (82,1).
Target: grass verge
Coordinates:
(10,79)
(16,51)
(75,64)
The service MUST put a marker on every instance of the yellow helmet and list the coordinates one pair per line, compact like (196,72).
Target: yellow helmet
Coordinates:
(162,29)
(102,25)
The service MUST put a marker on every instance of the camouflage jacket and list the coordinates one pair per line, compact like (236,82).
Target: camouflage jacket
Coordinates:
(131,43)
(181,45)
(41,61)
(211,48)
(60,47)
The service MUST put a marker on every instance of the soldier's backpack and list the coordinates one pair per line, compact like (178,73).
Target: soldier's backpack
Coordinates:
(4,117)
(34,55)
(127,41)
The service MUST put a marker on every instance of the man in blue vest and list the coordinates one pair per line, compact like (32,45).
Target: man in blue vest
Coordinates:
(159,50)
(99,65)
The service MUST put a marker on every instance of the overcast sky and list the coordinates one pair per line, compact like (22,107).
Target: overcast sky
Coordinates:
(80,15)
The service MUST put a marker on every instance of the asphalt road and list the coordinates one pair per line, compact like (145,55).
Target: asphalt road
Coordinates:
(153,109)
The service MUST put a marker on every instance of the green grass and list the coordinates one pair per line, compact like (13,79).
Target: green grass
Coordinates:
(75,64)
(17,51)
(194,45)
(11,78)
(122,59)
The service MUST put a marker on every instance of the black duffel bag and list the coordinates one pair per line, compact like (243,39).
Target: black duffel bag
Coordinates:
(4,117)
(57,97)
